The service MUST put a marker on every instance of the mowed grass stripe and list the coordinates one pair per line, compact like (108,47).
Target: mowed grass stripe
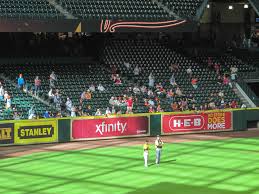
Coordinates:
(216,166)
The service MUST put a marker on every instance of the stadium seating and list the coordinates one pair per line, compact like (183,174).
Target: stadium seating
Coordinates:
(114,9)
(29,9)
(150,55)
(184,8)
(154,57)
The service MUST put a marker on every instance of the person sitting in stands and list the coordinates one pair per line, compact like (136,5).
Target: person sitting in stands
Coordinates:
(69,105)
(92,88)
(174,107)
(98,112)
(118,81)
(151,79)
(101,88)
(107,112)
(88,95)
(178,92)
(189,72)
(194,83)
(226,81)
(136,71)
(172,81)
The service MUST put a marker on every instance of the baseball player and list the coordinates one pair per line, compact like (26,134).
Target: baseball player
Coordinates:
(145,154)
(158,144)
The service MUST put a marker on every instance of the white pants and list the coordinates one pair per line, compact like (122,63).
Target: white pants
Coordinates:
(145,158)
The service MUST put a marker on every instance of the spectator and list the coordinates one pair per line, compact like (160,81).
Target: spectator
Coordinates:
(21,82)
(118,81)
(174,67)
(69,105)
(8,102)
(57,100)
(226,81)
(222,103)
(174,107)
(151,109)
(51,95)
(37,85)
(151,102)
(88,111)
(219,79)
(159,109)
(52,80)
(194,83)
(151,82)
(31,114)
(136,71)
(127,65)
(143,89)
(1,93)
(107,112)
(88,95)
(98,112)
(172,80)
(46,114)
(221,94)
(112,101)
(189,72)
(73,111)
(178,92)
(136,90)
(101,88)
(217,67)
(6,95)
(233,104)
(92,88)
(16,116)
(150,94)
(113,110)
(233,74)
(129,103)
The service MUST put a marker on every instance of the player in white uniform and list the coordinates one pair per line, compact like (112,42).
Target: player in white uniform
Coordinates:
(158,144)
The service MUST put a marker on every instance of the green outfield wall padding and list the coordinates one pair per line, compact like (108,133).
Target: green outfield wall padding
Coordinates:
(64,129)
(155,125)
(240,118)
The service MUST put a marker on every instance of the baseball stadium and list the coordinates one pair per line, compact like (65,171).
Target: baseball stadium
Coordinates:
(129,96)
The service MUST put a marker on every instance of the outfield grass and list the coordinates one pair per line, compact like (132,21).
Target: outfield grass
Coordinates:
(223,167)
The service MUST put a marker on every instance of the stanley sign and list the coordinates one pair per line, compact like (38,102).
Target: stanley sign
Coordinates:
(36,132)
(6,133)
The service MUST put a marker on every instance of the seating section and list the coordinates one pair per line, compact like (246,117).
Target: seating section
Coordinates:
(226,61)
(21,103)
(29,9)
(150,55)
(115,9)
(184,8)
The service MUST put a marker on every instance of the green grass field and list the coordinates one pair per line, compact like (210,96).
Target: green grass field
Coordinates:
(223,167)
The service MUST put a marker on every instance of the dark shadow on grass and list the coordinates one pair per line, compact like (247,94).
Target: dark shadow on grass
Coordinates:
(171,188)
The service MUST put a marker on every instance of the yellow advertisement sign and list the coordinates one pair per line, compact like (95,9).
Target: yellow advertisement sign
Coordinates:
(30,132)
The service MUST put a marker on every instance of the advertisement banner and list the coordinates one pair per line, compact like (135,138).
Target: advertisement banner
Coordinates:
(7,133)
(216,121)
(30,132)
(110,127)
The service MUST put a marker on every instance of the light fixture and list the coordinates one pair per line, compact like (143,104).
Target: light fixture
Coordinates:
(208,6)
(246,6)
(230,7)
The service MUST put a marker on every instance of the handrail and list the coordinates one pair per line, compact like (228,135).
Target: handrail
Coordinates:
(248,92)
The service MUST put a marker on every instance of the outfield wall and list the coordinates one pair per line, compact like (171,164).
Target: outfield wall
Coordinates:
(124,126)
